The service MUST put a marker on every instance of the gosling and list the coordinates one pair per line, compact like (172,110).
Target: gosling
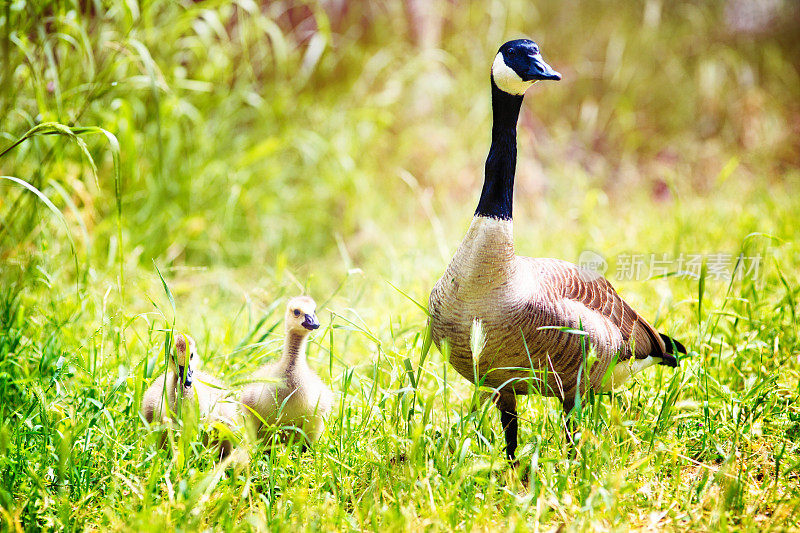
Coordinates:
(179,382)
(189,384)
(288,394)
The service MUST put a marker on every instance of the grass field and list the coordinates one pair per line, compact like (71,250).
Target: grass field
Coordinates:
(191,165)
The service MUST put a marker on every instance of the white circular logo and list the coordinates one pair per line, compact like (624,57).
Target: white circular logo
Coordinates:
(593,265)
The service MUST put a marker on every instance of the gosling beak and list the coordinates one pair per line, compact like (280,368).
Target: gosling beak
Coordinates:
(310,322)
(186,374)
(539,70)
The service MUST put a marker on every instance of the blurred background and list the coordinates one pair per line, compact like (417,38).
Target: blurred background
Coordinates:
(291,132)
(191,164)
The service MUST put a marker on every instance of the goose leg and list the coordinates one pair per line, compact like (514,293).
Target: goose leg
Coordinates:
(569,423)
(225,449)
(507,403)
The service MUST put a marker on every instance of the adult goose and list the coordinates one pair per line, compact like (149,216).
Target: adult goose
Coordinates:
(536,314)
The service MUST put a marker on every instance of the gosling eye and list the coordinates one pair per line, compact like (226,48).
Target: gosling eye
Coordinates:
(296,312)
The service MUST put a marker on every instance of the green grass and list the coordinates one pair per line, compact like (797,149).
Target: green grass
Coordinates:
(195,164)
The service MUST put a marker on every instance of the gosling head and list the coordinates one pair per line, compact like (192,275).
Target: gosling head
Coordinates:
(518,65)
(185,350)
(300,315)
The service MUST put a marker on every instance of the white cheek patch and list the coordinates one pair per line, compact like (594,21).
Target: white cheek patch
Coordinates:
(506,79)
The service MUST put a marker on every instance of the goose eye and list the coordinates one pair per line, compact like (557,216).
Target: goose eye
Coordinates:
(296,312)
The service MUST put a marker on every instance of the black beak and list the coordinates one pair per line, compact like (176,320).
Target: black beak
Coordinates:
(310,322)
(539,70)
(186,375)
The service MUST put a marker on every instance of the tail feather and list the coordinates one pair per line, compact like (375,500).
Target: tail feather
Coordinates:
(673,344)
(667,359)
(673,347)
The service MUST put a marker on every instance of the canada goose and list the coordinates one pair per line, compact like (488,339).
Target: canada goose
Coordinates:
(290,394)
(531,309)
(190,384)
(179,377)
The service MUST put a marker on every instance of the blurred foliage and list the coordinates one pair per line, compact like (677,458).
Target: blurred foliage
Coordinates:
(249,130)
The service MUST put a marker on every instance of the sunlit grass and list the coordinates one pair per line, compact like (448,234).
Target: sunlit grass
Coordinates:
(246,159)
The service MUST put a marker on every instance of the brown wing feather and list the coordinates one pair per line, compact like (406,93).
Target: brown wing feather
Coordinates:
(597,294)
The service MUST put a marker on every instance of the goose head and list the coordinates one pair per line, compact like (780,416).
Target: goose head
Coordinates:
(185,350)
(300,315)
(518,65)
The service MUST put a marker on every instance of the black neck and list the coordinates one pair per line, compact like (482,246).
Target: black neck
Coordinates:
(498,186)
